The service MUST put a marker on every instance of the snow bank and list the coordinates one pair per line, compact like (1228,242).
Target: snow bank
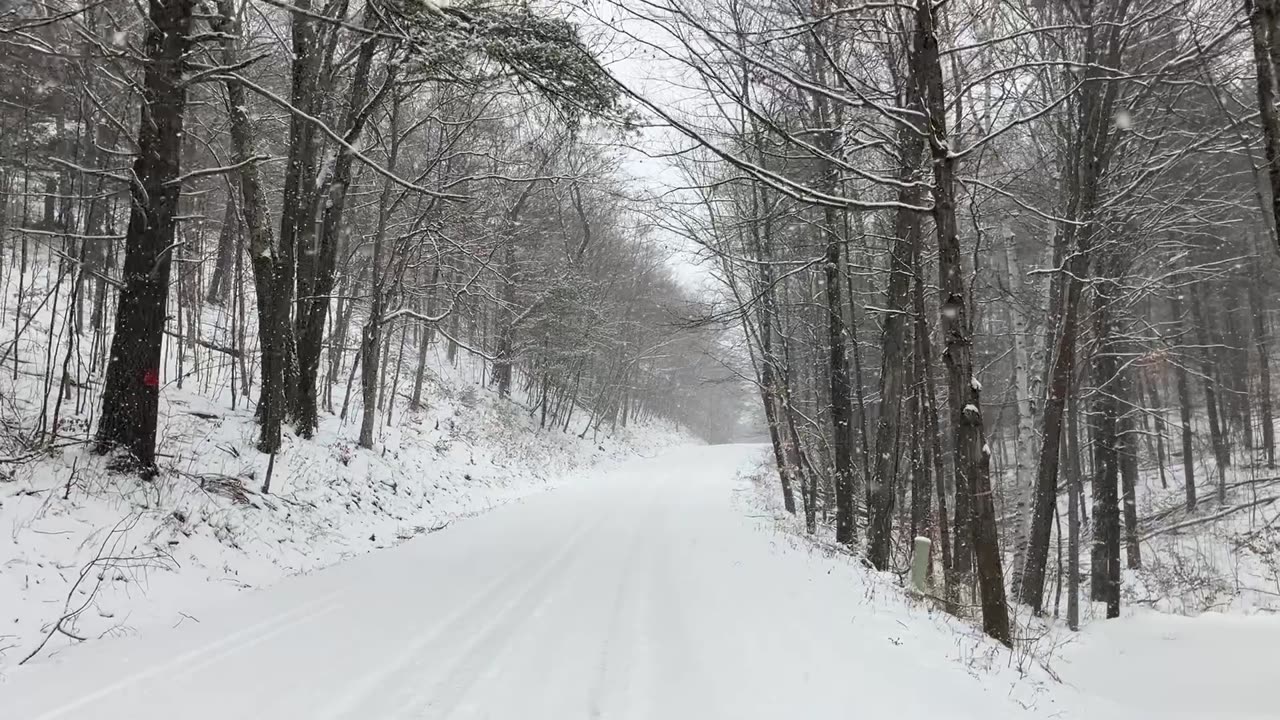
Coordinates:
(876,609)
(1180,668)
(1147,664)
(116,553)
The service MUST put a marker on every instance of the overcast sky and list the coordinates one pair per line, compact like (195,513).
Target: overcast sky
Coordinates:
(626,43)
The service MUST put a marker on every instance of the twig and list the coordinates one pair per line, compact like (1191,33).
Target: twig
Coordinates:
(99,559)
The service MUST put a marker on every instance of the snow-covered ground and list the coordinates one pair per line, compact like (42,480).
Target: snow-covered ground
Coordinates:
(661,588)
(1156,665)
(1223,557)
(650,592)
(114,555)
(1148,664)
(123,554)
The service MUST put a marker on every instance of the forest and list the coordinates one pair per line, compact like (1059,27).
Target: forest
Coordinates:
(1005,274)
(995,273)
(315,196)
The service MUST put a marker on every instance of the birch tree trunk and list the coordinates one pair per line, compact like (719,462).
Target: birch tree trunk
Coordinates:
(1024,451)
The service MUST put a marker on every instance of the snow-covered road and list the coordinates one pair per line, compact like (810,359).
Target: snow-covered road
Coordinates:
(646,593)
(651,592)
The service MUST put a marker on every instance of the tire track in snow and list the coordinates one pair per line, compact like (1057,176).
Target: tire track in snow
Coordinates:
(385,675)
(245,637)
(614,667)
(255,641)
(491,643)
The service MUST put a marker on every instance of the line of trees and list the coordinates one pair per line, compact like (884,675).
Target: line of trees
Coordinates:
(987,254)
(277,201)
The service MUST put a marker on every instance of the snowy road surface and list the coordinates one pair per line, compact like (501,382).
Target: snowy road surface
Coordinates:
(646,593)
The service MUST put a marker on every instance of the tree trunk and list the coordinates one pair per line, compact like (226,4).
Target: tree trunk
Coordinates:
(1089,157)
(1257,311)
(371,334)
(271,275)
(1185,409)
(768,395)
(1263,18)
(317,265)
(130,398)
(506,324)
(929,409)
(427,336)
(220,280)
(1208,371)
(1105,565)
(1128,437)
(1024,451)
(1236,369)
(894,352)
(299,199)
(841,395)
(921,486)
(1160,426)
(1073,547)
(972,454)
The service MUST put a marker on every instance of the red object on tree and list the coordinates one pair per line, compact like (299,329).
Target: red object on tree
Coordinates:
(151,378)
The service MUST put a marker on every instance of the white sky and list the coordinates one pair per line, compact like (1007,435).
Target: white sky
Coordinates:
(643,68)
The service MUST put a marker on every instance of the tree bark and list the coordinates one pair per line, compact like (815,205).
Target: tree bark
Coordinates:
(921,486)
(1128,449)
(1160,425)
(220,280)
(1073,547)
(971,453)
(1257,311)
(428,335)
(1185,409)
(1209,374)
(893,351)
(1105,565)
(270,274)
(371,334)
(1263,17)
(929,408)
(506,325)
(317,265)
(841,394)
(130,398)
(1024,451)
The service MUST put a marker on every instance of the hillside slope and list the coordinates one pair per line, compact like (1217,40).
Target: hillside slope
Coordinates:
(88,552)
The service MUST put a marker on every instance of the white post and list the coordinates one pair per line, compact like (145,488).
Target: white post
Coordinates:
(920,564)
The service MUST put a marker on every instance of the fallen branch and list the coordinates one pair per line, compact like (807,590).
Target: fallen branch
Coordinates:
(1208,518)
(100,560)
(233,352)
